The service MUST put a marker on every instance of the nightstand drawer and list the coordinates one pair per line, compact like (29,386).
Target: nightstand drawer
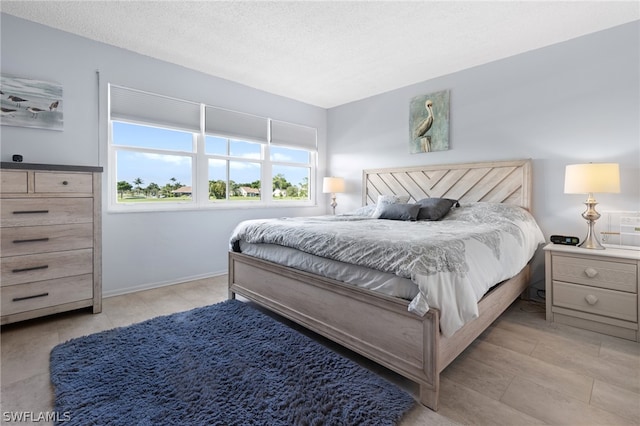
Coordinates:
(45,211)
(14,182)
(598,273)
(45,266)
(44,239)
(614,304)
(42,294)
(54,182)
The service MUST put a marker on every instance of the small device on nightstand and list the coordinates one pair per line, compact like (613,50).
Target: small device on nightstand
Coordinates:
(563,239)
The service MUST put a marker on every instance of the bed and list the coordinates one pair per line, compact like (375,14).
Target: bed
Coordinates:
(379,326)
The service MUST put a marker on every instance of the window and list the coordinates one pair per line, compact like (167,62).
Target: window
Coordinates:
(154,164)
(166,153)
(235,169)
(290,172)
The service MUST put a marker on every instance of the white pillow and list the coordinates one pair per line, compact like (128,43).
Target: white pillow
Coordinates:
(365,210)
(384,200)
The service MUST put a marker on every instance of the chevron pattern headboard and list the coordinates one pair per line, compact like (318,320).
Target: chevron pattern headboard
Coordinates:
(497,181)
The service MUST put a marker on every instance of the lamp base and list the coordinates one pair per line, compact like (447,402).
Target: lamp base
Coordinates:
(333,203)
(591,215)
(590,241)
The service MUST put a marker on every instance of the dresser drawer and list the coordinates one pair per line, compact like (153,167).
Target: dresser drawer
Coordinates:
(14,182)
(598,273)
(43,294)
(45,211)
(611,303)
(44,239)
(57,182)
(45,266)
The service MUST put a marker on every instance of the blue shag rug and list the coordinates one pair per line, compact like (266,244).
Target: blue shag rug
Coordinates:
(224,364)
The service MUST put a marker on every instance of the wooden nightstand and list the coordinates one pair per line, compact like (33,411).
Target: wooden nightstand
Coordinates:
(593,289)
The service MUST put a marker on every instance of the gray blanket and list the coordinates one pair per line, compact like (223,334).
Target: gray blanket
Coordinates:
(453,261)
(399,247)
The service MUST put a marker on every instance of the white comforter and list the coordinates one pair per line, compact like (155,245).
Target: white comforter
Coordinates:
(453,261)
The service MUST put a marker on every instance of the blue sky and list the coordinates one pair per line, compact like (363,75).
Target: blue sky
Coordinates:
(160,168)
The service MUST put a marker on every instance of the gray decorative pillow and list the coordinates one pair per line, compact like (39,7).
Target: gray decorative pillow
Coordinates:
(384,200)
(434,208)
(399,211)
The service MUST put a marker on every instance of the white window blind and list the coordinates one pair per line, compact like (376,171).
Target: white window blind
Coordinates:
(237,125)
(138,106)
(293,135)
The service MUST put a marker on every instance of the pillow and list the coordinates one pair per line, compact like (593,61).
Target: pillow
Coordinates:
(364,210)
(384,200)
(435,208)
(399,211)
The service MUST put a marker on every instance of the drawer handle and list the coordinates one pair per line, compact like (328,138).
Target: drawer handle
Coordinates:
(17,299)
(32,240)
(64,182)
(591,299)
(591,272)
(33,268)
(30,211)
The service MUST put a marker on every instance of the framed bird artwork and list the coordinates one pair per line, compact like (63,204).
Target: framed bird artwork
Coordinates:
(30,103)
(429,122)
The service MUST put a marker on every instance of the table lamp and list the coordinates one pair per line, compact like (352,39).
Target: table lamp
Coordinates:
(589,179)
(333,185)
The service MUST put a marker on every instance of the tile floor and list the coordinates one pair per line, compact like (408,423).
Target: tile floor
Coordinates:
(520,371)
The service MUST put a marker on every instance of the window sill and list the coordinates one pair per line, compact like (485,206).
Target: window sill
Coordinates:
(175,207)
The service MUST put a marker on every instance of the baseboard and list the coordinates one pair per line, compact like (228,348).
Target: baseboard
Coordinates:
(150,286)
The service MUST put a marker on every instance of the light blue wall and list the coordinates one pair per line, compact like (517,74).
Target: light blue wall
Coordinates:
(577,101)
(140,250)
(573,102)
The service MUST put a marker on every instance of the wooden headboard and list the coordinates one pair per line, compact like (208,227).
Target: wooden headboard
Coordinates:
(496,181)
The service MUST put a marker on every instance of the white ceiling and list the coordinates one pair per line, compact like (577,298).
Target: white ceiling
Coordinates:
(327,53)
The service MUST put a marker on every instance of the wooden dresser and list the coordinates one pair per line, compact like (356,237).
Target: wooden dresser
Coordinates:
(50,231)
(593,289)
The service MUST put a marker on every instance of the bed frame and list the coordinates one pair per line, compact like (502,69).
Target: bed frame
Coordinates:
(380,327)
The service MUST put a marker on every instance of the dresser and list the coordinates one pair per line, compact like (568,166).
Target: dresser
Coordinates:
(593,289)
(50,232)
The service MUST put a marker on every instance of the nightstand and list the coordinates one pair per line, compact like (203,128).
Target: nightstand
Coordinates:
(593,289)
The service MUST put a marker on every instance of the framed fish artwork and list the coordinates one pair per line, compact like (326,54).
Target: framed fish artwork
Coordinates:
(429,122)
(31,103)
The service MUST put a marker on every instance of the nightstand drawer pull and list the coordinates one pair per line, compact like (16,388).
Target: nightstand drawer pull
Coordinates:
(33,268)
(32,240)
(17,299)
(591,272)
(30,211)
(591,299)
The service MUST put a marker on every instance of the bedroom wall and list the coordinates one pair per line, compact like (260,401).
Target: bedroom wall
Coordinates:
(140,250)
(576,101)
(573,102)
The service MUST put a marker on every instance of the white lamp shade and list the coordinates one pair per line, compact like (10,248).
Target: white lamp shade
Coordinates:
(333,185)
(592,178)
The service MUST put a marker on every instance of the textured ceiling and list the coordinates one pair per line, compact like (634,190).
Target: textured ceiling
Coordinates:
(327,53)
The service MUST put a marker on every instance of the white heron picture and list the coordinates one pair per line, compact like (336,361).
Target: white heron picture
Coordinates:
(429,122)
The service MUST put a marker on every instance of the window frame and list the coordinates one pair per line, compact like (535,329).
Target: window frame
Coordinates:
(200,168)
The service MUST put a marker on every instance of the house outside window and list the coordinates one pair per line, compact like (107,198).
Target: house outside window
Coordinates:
(166,154)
